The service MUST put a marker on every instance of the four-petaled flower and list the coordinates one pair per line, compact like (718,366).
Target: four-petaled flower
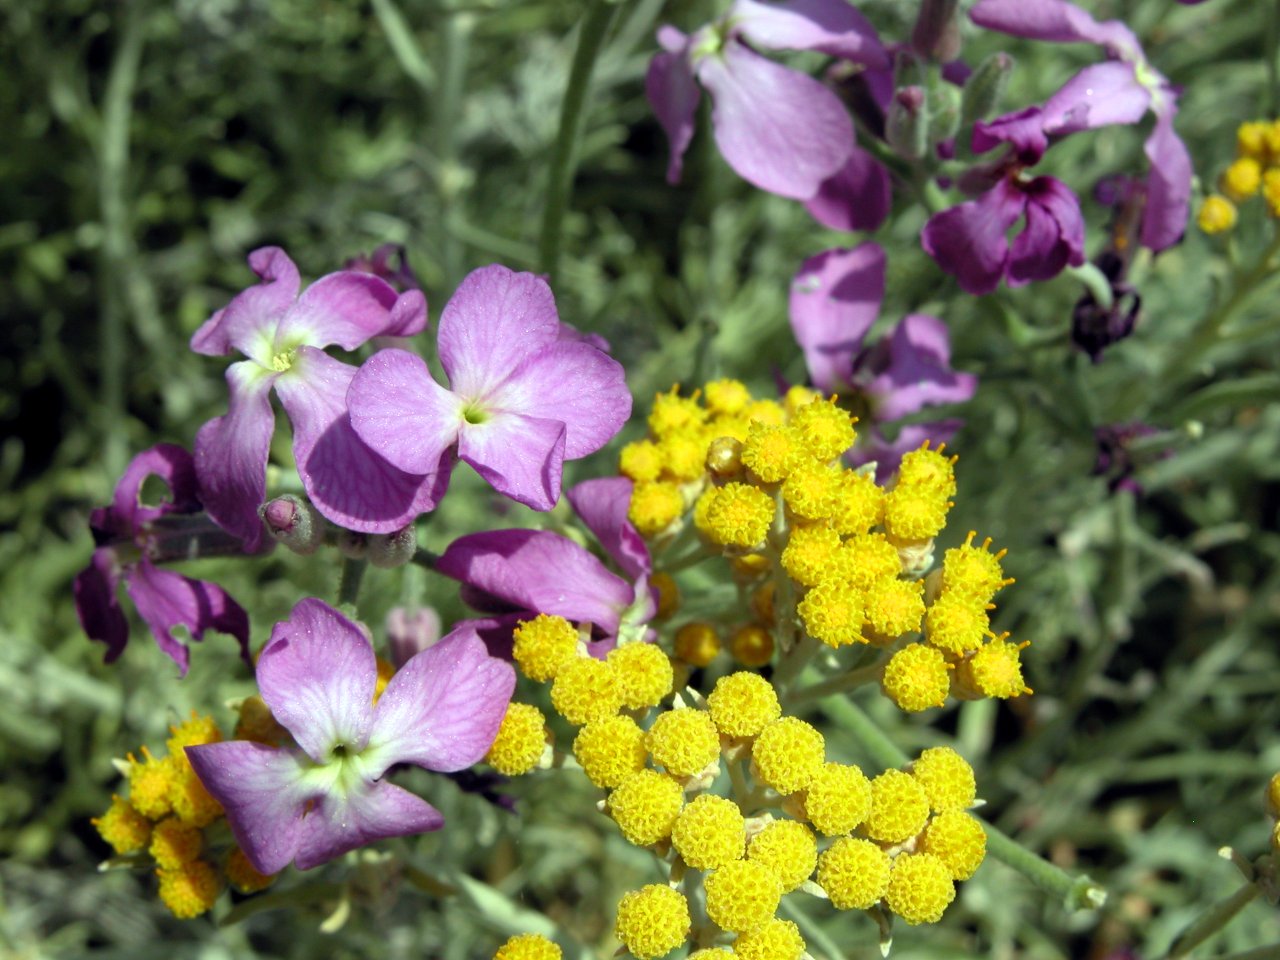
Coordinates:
(524,394)
(307,803)
(131,538)
(282,335)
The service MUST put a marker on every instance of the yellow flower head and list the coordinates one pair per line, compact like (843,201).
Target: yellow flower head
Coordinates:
(189,890)
(920,888)
(995,670)
(947,779)
(1251,140)
(645,806)
(191,802)
(915,513)
(520,741)
(709,832)
(151,784)
(871,558)
(640,461)
(810,490)
(644,673)
(528,946)
(652,921)
(833,613)
(858,504)
(742,704)
(788,754)
(973,571)
(854,873)
(1217,214)
(610,750)
(174,844)
(894,607)
(789,849)
(684,455)
(543,645)
(123,827)
(958,840)
(825,429)
(813,554)
(1241,180)
(672,413)
(771,453)
(738,515)
(899,807)
(775,940)
(724,457)
(916,678)
(192,732)
(655,505)
(586,689)
(751,645)
(839,799)
(928,468)
(243,875)
(697,643)
(684,742)
(742,896)
(726,398)
(957,622)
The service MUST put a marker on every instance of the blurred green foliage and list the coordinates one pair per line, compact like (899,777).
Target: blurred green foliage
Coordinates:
(150,146)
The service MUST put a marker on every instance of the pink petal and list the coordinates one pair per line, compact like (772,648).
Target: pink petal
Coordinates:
(674,96)
(348,483)
(345,308)
(835,298)
(172,464)
(402,413)
(827,26)
(968,240)
(1168,184)
(231,454)
(602,504)
(520,457)
(317,674)
(369,812)
(442,709)
(573,383)
(1054,20)
(495,319)
(167,600)
(260,788)
(99,611)
(778,129)
(1053,236)
(248,322)
(1098,96)
(408,315)
(857,197)
(918,372)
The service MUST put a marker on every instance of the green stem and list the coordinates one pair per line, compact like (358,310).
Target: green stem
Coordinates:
(425,558)
(349,583)
(1213,920)
(1270,43)
(1095,281)
(842,683)
(564,154)
(882,750)
(813,932)
(403,46)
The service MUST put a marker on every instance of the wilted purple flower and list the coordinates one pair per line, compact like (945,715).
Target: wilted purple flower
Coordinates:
(778,129)
(389,262)
(522,398)
(1115,460)
(326,794)
(835,299)
(1094,327)
(130,539)
(1106,95)
(521,573)
(282,335)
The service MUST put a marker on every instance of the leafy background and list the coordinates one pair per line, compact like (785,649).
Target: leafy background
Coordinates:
(150,146)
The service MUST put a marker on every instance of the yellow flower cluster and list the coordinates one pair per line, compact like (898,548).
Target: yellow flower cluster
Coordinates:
(168,821)
(1255,170)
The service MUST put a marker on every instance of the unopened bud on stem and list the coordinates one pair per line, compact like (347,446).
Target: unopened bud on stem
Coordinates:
(392,549)
(294,522)
(907,126)
(936,35)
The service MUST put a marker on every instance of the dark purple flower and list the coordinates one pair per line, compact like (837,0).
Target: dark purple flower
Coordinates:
(523,396)
(525,572)
(388,262)
(326,794)
(1094,327)
(1104,97)
(131,538)
(835,299)
(780,130)
(282,335)
(1115,460)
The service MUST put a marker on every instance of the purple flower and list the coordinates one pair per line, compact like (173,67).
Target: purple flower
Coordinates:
(780,130)
(282,335)
(523,394)
(1101,96)
(309,802)
(1115,459)
(520,573)
(1094,327)
(835,299)
(388,262)
(131,538)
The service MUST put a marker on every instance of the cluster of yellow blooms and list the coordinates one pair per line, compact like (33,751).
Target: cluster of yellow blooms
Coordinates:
(897,842)
(820,545)
(169,821)
(1255,170)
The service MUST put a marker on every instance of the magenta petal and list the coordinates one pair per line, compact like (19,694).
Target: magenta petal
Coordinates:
(442,709)
(408,315)
(602,504)
(1168,184)
(573,383)
(520,457)
(835,298)
(317,674)
(345,308)
(857,197)
(674,96)
(231,454)
(828,26)
(402,413)
(1053,20)
(968,241)
(539,571)
(172,464)
(1101,95)
(494,320)
(1054,234)
(368,812)
(1024,130)
(249,321)
(348,483)
(778,129)
(99,611)
(260,789)
(918,372)
(167,600)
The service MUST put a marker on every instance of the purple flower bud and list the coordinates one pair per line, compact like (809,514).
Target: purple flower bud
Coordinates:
(393,549)
(1094,327)
(907,125)
(937,32)
(294,522)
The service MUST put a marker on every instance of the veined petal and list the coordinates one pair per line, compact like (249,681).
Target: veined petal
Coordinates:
(442,709)
(231,454)
(345,308)
(674,96)
(317,674)
(494,320)
(166,600)
(602,504)
(402,413)
(779,129)
(520,457)
(1168,184)
(573,383)
(1053,236)
(172,464)
(261,790)
(348,483)
(968,241)
(835,298)
(541,572)
(828,26)
(363,814)
(1098,96)
(96,605)
(857,197)
(408,315)
(248,322)
(918,370)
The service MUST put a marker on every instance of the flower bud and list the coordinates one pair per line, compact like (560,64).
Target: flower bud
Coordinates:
(411,631)
(294,522)
(937,31)
(392,549)
(907,126)
(985,89)
(944,115)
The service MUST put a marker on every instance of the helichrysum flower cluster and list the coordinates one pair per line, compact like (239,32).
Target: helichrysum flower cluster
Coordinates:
(1255,170)
(167,821)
